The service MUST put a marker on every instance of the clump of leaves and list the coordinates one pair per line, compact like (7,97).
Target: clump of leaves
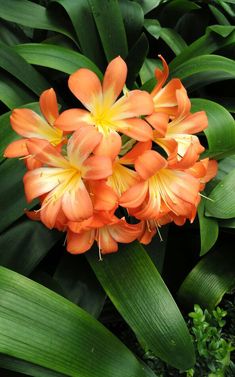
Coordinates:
(212,349)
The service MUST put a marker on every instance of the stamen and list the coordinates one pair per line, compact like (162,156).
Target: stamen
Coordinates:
(206,197)
(100,255)
(25,157)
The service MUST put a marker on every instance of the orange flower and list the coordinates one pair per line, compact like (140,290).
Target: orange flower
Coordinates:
(104,228)
(29,124)
(63,179)
(162,189)
(104,111)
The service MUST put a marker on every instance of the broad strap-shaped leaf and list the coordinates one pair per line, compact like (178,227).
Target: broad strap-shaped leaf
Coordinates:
(222,198)
(11,62)
(78,346)
(169,36)
(210,279)
(25,244)
(203,70)
(219,16)
(133,18)
(149,5)
(111,29)
(221,129)
(56,57)
(134,285)
(17,365)
(209,229)
(216,37)
(84,25)
(136,58)
(13,93)
(80,284)
(33,16)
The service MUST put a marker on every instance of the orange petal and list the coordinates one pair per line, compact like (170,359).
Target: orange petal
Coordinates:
(190,125)
(40,181)
(124,232)
(165,100)
(80,243)
(44,152)
(149,163)
(103,197)
(134,196)
(17,148)
(49,212)
(136,128)
(105,241)
(159,121)
(76,202)
(109,145)
(169,145)
(86,86)
(114,79)
(135,103)
(72,120)
(81,144)
(27,123)
(161,75)
(97,167)
(49,106)
(135,152)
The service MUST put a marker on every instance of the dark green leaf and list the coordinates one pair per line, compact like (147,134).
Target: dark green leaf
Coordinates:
(112,33)
(56,57)
(80,283)
(219,16)
(221,129)
(29,238)
(145,303)
(78,346)
(12,93)
(32,15)
(210,279)
(203,70)
(222,203)
(209,229)
(135,59)
(133,18)
(148,5)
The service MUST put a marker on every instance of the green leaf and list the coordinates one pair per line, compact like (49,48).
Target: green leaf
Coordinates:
(148,5)
(215,38)
(135,59)
(222,203)
(133,18)
(84,25)
(145,303)
(209,229)
(169,36)
(12,93)
(203,70)
(12,199)
(11,34)
(32,239)
(174,9)
(11,62)
(17,365)
(221,129)
(78,345)
(33,16)
(148,69)
(219,16)
(56,57)
(210,279)
(112,33)
(80,284)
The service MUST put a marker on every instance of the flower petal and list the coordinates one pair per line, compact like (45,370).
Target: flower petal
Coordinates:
(159,121)
(72,119)
(17,148)
(134,196)
(103,197)
(135,103)
(81,144)
(86,86)
(114,80)
(139,148)
(109,145)
(105,241)
(97,167)
(165,100)
(50,211)
(190,125)
(76,202)
(124,232)
(135,128)
(44,152)
(49,106)
(27,123)
(80,243)
(149,163)
(161,75)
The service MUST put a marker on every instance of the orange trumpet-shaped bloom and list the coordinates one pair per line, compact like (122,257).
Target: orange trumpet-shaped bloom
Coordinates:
(63,178)
(29,124)
(164,97)
(105,112)
(104,228)
(162,190)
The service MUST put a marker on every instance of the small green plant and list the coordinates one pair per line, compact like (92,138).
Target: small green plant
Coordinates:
(212,350)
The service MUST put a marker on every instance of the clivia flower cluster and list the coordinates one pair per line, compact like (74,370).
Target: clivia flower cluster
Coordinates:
(116,168)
